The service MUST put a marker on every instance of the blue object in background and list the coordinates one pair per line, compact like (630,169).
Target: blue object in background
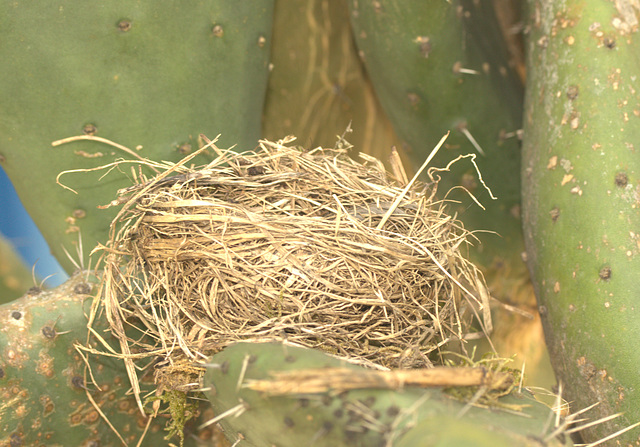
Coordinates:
(18,227)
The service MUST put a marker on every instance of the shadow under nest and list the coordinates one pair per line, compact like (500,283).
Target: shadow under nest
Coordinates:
(309,247)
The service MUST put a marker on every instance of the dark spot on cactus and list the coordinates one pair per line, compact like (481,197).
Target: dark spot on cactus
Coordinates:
(369,401)
(124,406)
(572,92)
(1,373)
(124,25)
(82,289)
(224,368)
(326,400)
(327,426)
(141,421)
(338,413)
(89,129)
(290,359)
(49,332)
(35,290)
(587,369)
(15,440)
(75,419)
(542,310)
(609,42)
(605,273)
(48,407)
(350,436)
(393,411)
(252,359)
(93,416)
(303,402)
(289,422)
(554,213)
(79,214)
(413,99)
(425,46)
(217,31)
(621,180)
(184,148)
(16,314)
(78,382)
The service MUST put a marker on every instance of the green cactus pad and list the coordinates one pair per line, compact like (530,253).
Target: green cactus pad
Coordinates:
(44,383)
(145,75)
(418,57)
(581,173)
(359,417)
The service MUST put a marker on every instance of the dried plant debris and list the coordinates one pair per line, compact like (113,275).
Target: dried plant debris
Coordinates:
(307,246)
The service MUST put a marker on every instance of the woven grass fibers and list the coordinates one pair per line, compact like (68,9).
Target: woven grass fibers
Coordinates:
(311,247)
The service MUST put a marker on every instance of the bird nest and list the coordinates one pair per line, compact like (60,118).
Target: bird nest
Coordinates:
(307,246)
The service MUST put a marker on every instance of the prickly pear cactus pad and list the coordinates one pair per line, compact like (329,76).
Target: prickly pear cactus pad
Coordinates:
(244,386)
(581,203)
(44,386)
(286,243)
(150,75)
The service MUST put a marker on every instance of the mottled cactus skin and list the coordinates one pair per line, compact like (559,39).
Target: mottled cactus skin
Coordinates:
(368,417)
(582,199)
(43,381)
(149,75)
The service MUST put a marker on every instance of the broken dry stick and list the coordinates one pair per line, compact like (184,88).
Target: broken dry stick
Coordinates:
(322,380)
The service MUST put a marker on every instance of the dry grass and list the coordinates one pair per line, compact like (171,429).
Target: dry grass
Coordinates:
(311,247)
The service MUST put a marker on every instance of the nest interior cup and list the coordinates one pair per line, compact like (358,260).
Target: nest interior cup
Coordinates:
(281,243)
